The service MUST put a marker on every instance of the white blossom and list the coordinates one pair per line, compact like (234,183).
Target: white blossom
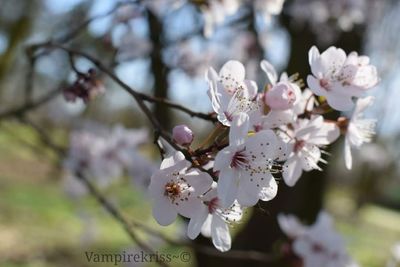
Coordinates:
(359,130)
(319,245)
(212,220)
(215,13)
(269,8)
(104,154)
(245,165)
(339,77)
(394,261)
(230,92)
(305,137)
(176,188)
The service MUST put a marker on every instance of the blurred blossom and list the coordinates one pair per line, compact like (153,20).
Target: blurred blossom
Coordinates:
(327,18)
(359,130)
(375,156)
(131,47)
(269,8)
(215,13)
(85,87)
(105,154)
(161,7)
(395,257)
(319,245)
(125,13)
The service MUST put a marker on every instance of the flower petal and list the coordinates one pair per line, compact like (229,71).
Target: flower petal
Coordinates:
(200,181)
(220,234)
(206,229)
(315,87)
(227,187)
(223,158)
(197,222)
(270,71)
(234,69)
(347,155)
(239,129)
(290,225)
(339,102)
(292,170)
(269,192)
(164,212)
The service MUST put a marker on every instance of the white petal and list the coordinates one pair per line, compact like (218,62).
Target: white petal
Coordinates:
(269,192)
(366,77)
(290,225)
(164,212)
(227,187)
(224,158)
(332,60)
(315,87)
(252,88)
(347,155)
(313,60)
(239,129)
(327,133)
(220,234)
(292,171)
(189,207)
(233,68)
(270,71)
(263,146)
(362,104)
(339,102)
(200,181)
(309,157)
(206,229)
(197,222)
(172,160)
(276,118)
(248,192)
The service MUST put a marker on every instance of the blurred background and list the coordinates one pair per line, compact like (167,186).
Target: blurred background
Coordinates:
(163,47)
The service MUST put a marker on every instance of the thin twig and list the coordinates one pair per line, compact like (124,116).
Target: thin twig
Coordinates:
(136,95)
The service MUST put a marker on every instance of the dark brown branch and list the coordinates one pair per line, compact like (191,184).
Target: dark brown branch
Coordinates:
(136,95)
(204,116)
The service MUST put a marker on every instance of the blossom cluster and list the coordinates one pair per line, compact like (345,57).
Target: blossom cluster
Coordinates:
(318,245)
(104,155)
(262,136)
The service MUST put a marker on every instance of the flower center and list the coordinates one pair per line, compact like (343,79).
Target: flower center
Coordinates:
(212,205)
(324,83)
(291,97)
(172,190)
(258,127)
(317,248)
(298,145)
(239,159)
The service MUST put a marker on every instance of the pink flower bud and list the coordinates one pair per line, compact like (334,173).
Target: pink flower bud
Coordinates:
(182,135)
(282,95)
